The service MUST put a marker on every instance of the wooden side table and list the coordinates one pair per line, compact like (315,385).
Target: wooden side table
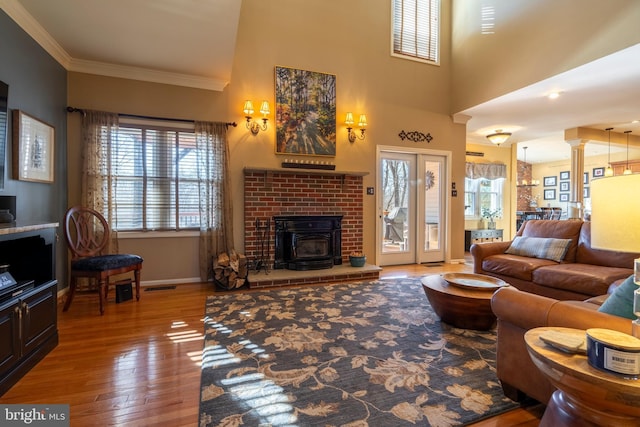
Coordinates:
(586,396)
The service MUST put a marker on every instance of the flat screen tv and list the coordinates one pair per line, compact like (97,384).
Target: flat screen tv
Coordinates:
(4,98)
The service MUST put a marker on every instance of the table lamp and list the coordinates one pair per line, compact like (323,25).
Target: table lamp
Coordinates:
(615,223)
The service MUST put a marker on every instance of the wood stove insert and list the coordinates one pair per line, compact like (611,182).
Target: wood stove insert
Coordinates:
(308,242)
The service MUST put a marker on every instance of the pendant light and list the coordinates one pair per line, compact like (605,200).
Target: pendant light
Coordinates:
(627,171)
(609,170)
(524,182)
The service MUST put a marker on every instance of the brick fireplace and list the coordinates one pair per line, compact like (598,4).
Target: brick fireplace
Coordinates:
(269,193)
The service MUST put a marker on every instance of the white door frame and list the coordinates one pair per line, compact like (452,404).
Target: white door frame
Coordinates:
(446,219)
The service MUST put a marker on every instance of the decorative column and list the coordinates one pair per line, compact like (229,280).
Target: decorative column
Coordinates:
(577,173)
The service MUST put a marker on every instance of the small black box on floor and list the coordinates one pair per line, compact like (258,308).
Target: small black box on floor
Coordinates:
(124,291)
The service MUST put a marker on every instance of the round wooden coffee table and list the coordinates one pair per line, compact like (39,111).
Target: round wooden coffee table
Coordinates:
(586,396)
(462,307)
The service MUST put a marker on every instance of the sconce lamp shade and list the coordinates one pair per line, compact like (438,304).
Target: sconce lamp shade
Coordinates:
(348,120)
(264,108)
(248,107)
(615,213)
(498,137)
(363,121)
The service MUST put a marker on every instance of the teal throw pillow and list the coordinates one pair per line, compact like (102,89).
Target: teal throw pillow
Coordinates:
(620,302)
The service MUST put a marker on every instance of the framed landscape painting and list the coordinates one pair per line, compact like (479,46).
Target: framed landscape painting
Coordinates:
(305,112)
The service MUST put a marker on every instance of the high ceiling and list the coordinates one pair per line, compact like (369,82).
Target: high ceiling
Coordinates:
(192,43)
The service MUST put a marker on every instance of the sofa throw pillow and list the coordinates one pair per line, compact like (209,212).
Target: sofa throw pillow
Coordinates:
(539,247)
(620,302)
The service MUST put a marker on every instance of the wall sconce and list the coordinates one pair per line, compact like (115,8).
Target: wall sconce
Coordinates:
(252,125)
(362,124)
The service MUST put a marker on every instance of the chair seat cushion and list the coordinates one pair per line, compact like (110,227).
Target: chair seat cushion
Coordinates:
(105,262)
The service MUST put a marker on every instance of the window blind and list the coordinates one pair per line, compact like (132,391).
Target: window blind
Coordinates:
(416,29)
(154,173)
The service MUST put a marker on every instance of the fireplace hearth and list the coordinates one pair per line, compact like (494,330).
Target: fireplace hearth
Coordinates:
(310,242)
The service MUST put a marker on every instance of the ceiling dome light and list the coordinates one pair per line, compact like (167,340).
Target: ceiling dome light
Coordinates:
(554,95)
(498,137)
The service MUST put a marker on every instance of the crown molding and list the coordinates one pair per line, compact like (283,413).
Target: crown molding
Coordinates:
(28,23)
(145,74)
(32,27)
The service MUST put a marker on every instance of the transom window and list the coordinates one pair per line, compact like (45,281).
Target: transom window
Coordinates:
(416,29)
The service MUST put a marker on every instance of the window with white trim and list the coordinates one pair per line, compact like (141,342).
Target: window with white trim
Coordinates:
(156,182)
(482,194)
(416,29)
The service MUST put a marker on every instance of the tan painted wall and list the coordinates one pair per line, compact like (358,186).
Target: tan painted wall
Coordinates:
(533,40)
(348,39)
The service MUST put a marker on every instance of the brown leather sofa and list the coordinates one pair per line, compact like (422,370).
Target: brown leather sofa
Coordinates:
(583,273)
(517,312)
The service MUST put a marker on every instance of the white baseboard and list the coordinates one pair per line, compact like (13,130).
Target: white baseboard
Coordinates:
(457,261)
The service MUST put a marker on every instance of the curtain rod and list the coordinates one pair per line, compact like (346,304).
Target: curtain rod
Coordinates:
(81,111)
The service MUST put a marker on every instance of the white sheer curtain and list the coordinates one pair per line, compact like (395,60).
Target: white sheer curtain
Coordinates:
(216,212)
(98,184)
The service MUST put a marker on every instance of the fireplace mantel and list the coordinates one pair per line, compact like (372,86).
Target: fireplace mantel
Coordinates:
(297,171)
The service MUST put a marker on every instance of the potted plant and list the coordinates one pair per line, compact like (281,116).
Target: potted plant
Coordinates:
(490,216)
(357,259)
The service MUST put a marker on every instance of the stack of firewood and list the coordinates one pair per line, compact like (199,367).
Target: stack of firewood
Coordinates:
(230,270)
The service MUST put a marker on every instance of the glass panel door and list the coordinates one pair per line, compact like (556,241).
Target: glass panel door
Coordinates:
(434,178)
(397,201)
(411,203)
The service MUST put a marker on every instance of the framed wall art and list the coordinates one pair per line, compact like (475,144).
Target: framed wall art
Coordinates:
(564,176)
(564,186)
(550,181)
(564,197)
(550,194)
(585,181)
(585,193)
(598,172)
(305,112)
(33,148)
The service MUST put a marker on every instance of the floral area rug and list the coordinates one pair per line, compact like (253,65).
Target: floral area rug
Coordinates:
(358,354)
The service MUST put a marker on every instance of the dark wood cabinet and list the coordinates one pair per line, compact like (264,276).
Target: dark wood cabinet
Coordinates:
(28,312)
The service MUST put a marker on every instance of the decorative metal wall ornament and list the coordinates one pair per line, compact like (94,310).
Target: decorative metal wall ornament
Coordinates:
(415,136)
(429,180)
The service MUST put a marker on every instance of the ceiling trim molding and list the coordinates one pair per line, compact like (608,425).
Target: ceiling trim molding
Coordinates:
(145,74)
(28,23)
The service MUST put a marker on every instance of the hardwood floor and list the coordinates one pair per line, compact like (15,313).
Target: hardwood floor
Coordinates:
(139,364)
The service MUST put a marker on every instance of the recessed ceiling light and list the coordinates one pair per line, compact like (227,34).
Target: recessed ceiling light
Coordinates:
(553,95)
